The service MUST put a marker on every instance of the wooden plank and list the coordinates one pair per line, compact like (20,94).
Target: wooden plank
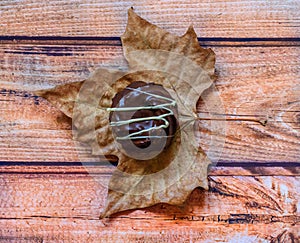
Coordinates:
(254,84)
(231,18)
(82,196)
(57,207)
(35,66)
(31,132)
(139,230)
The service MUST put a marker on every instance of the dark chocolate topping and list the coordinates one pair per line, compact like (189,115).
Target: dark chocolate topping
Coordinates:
(133,95)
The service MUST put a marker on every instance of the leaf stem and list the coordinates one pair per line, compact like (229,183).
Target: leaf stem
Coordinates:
(261,122)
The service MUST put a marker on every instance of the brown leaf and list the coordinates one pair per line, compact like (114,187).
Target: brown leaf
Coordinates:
(142,35)
(63,96)
(185,70)
(177,171)
(172,184)
(80,101)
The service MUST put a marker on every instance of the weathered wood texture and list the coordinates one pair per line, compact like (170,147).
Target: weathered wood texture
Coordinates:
(46,195)
(254,84)
(41,207)
(57,195)
(233,18)
(143,230)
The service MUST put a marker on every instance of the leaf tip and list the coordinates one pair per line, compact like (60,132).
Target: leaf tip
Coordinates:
(131,13)
(191,31)
(105,213)
(40,93)
(131,16)
(102,216)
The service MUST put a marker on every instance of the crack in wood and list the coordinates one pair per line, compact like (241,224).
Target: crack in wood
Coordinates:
(224,218)
(21,239)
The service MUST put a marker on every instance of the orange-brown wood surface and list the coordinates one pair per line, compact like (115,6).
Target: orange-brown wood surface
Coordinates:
(46,195)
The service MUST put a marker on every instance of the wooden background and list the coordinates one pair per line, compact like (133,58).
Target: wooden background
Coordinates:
(46,195)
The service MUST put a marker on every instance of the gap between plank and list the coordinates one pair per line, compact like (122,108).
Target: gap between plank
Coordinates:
(116,41)
(219,164)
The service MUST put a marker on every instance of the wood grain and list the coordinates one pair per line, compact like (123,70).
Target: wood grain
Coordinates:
(231,18)
(48,207)
(139,230)
(56,195)
(37,66)
(255,84)
(46,195)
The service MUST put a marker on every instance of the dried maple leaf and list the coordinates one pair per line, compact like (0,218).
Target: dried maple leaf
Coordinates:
(185,70)
(142,35)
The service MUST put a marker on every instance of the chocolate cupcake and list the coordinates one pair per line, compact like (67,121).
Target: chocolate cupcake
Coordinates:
(142,114)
